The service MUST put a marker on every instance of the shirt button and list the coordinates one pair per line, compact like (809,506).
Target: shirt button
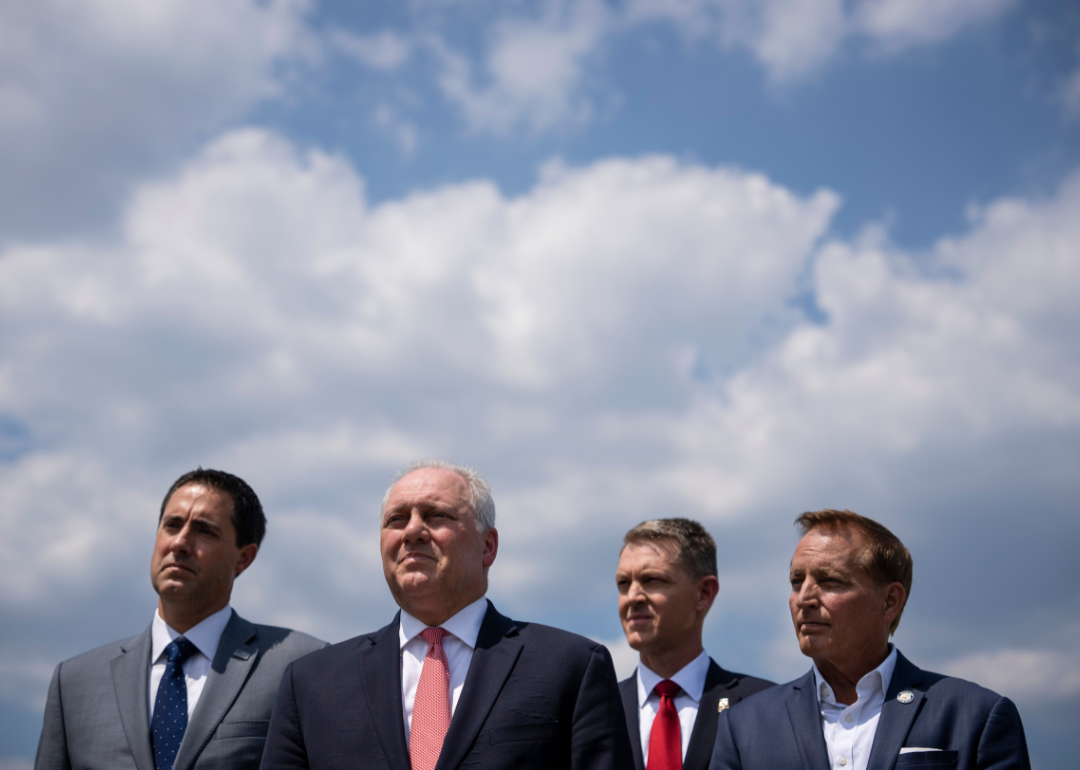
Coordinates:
(843,760)
(848,718)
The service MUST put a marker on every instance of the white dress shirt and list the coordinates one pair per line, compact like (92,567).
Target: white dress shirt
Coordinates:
(849,730)
(691,678)
(458,644)
(205,636)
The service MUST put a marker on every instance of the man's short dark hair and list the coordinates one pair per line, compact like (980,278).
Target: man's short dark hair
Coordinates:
(885,559)
(695,549)
(247,513)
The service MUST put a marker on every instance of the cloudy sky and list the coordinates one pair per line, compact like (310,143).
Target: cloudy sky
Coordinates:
(725,259)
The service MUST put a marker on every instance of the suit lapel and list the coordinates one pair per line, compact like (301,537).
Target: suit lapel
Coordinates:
(703,737)
(633,718)
(235,656)
(379,662)
(497,650)
(131,680)
(805,716)
(896,718)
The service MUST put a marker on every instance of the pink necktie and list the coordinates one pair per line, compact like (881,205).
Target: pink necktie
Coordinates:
(431,708)
(665,740)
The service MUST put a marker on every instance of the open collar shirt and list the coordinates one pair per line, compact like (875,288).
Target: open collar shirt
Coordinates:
(849,729)
(205,636)
(458,644)
(691,678)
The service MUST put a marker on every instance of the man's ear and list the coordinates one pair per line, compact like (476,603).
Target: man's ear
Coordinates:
(894,597)
(708,587)
(247,555)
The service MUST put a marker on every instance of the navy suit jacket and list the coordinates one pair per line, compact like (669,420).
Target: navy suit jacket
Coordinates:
(975,728)
(718,684)
(534,697)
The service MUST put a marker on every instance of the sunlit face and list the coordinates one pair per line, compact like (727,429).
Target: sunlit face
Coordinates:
(659,603)
(434,558)
(195,555)
(840,615)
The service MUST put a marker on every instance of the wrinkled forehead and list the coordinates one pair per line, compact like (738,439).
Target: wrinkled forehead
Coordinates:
(431,487)
(837,543)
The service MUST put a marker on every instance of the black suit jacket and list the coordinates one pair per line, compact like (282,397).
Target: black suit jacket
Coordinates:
(975,729)
(534,697)
(718,684)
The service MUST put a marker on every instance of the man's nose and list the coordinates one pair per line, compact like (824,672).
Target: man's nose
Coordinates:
(635,593)
(181,543)
(807,595)
(415,530)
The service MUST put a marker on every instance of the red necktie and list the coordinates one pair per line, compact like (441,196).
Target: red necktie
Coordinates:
(665,740)
(431,707)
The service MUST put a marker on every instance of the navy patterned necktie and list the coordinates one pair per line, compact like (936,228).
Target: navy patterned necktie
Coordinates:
(170,706)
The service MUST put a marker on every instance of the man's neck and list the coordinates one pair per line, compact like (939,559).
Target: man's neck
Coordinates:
(667,663)
(182,618)
(844,678)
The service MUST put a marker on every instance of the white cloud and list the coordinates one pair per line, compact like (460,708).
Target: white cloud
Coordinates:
(792,39)
(385,50)
(533,70)
(1027,676)
(615,343)
(897,24)
(91,93)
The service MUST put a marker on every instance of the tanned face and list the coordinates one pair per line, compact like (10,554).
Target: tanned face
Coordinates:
(434,558)
(841,616)
(195,557)
(660,605)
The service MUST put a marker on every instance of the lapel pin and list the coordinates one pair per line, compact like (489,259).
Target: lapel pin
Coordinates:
(723,705)
(907,696)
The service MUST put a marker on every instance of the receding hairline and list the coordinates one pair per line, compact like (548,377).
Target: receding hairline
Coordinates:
(464,482)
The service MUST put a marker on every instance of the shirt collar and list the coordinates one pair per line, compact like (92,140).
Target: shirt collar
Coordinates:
(691,678)
(465,625)
(206,635)
(880,677)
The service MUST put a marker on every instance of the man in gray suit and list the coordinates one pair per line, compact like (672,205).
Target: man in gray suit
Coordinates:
(195,690)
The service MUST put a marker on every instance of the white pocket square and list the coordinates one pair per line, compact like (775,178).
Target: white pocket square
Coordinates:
(912,750)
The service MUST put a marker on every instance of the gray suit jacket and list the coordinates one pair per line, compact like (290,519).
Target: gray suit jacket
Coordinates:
(97,715)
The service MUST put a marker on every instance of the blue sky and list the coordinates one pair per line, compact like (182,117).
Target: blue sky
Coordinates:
(719,258)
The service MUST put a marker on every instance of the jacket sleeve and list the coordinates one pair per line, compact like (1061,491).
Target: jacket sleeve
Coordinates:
(600,740)
(285,749)
(52,751)
(725,753)
(1003,745)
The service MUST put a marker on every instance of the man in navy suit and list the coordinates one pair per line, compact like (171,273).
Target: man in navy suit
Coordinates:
(863,705)
(667,584)
(450,683)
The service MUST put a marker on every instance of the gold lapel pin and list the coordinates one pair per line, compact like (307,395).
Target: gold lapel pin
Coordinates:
(723,705)
(907,696)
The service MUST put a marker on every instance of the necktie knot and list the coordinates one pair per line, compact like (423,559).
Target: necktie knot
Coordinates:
(434,636)
(179,650)
(667,689)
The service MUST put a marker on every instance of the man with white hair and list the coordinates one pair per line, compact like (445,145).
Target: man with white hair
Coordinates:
(450,683)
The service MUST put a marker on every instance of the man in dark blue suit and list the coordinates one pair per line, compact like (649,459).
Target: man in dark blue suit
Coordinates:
(863,705)
(450,683)
(667,584)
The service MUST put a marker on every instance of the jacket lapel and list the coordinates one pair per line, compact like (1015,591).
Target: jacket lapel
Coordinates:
(379,662)
(235,656)
(703,737)
(896,718)
(497,650)
(802,706)
(633,718)
(131,680)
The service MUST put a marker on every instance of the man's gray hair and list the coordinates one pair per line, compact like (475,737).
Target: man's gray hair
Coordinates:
(483,504)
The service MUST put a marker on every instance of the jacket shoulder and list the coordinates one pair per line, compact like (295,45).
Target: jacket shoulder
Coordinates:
(286,640)
(100,655)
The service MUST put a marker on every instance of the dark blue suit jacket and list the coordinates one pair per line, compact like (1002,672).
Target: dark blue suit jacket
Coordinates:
(719,683)
(534,697)
(781,727)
